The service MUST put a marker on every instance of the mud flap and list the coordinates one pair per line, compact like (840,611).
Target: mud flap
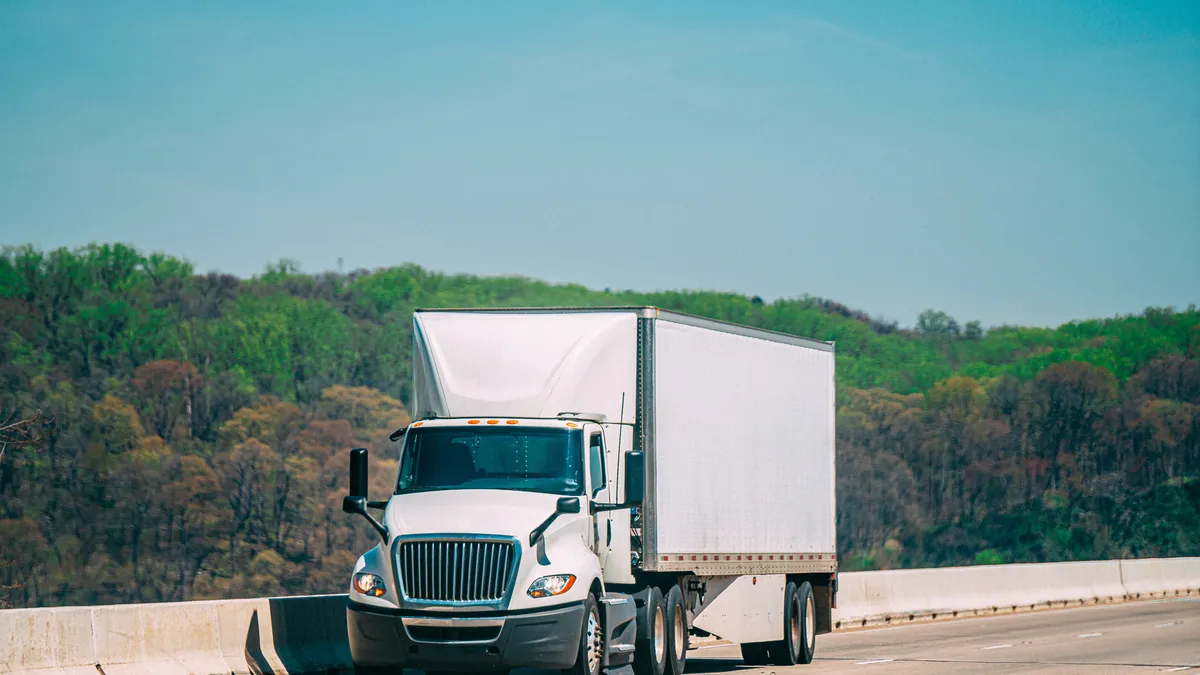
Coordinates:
(618,615)
(824,597)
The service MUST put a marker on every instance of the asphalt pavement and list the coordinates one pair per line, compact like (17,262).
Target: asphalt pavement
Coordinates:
(1137,637)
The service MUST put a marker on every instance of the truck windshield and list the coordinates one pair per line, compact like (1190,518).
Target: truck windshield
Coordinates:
(498,458)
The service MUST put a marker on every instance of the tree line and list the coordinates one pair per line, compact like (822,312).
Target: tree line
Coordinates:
(174,435)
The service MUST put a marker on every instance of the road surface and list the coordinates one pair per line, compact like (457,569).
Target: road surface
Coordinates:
(1137,637)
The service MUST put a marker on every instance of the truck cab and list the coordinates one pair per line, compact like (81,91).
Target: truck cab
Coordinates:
(493,549)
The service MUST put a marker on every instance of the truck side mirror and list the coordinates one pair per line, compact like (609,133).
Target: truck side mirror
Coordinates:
(567,505)
(358,472)
(356,501)
(635,477)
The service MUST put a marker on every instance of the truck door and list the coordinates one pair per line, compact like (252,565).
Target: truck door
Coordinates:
(602,533)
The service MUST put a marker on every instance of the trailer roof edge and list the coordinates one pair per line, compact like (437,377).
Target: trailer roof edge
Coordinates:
(650,312)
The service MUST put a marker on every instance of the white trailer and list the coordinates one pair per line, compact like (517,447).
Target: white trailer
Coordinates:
(585,488)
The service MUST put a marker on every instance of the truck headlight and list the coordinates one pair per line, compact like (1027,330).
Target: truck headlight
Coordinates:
(548,586)
(369,584)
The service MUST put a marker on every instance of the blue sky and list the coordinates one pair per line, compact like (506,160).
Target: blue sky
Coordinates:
(1009,161)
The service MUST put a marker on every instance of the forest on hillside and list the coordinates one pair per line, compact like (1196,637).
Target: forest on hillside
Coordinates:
(173,435)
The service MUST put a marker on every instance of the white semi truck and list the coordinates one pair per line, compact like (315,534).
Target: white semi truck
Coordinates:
(583,489)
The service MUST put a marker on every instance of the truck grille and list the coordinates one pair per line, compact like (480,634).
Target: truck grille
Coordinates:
(455,571)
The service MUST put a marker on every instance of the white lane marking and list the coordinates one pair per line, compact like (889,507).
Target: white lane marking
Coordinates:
(1085,635)
(997,647)
(1167,625)
(1175,670)
(867,663)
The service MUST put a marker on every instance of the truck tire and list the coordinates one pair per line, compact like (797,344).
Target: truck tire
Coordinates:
(591,642)
(799,627)
(677,630)
(650,653)
(755,653)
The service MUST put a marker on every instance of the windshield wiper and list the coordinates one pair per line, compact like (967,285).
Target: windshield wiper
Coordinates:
(413,490)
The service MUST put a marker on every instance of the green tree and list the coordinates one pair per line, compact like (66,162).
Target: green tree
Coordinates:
(193,428)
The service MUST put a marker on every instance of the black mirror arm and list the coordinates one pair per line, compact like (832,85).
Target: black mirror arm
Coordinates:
(359,505)
(598,508)
(379,527)
(377,504)
(541,529)
(565,505)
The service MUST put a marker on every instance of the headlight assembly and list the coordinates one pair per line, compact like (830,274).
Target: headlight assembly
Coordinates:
(369,584)
(554,585)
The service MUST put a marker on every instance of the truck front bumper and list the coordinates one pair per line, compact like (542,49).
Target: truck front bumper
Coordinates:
(459,642)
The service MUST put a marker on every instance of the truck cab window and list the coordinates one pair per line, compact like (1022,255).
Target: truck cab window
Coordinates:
(457,458)
(596,464)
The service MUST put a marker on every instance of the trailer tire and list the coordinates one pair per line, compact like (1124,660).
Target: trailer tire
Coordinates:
(755,654)
(677,630)
(799,627)
(591,642)
(650,652)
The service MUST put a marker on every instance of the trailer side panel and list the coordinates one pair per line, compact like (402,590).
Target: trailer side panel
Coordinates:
(743,452)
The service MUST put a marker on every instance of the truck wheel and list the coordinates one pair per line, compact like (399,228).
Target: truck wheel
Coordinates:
(755,653)
(677,629)
(650,654)
(799,627)
(591,642)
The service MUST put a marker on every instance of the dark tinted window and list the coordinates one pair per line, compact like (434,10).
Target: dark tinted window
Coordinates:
(483,458)
(596,464)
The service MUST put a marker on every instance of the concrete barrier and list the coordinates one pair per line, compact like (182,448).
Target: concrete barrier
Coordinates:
(896,596)
(307,634)
(305,645)
(1161,577)
(174,638)
(57,640)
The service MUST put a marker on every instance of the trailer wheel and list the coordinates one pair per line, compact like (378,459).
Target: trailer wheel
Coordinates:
(677,629)
(591,642)
(799,627)
(755,653)
(651,648)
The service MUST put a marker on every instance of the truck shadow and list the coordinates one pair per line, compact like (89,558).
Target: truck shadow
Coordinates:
(711,665)
(694,665)
(298,635)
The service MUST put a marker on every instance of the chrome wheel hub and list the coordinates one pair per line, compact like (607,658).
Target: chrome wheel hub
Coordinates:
(794,625)
(679,631)
(660,636)
(810,623)
(595,643)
